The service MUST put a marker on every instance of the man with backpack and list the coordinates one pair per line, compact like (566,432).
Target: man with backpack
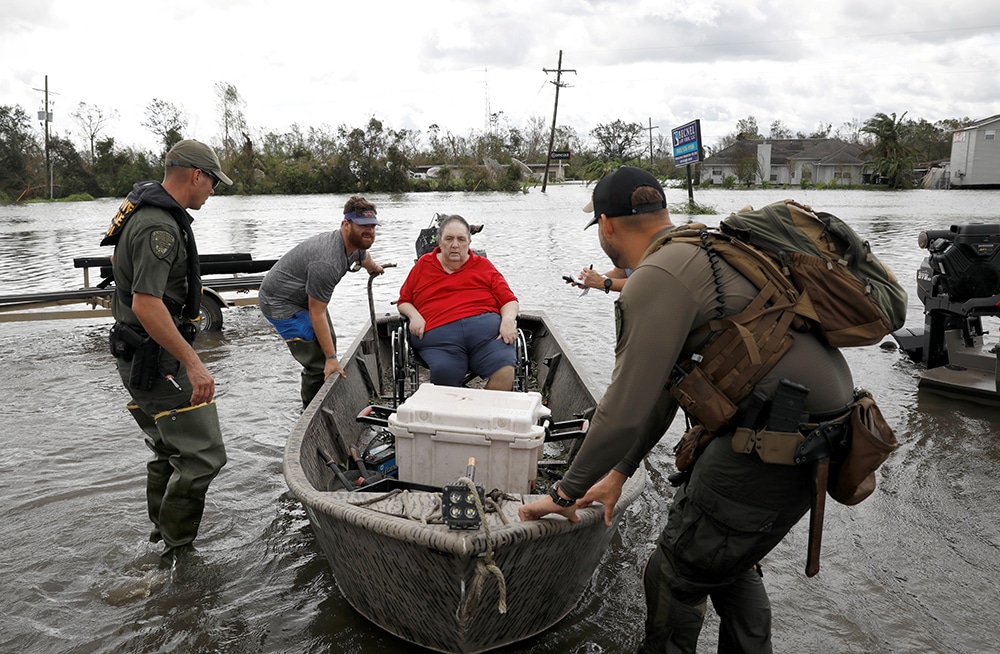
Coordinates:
(731,507)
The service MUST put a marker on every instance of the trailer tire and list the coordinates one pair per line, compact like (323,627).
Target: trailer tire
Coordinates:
(210,313)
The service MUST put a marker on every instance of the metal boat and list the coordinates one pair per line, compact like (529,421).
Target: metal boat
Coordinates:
(446,587)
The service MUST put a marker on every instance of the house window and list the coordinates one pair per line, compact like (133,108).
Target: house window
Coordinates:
(716,172)
(990,135)
(774,177)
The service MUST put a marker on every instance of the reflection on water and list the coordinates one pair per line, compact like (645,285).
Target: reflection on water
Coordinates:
(908,570)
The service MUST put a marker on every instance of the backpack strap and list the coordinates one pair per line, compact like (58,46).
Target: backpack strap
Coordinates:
(743,347)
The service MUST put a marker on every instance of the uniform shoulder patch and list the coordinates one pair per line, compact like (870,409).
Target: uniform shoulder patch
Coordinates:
(162,243)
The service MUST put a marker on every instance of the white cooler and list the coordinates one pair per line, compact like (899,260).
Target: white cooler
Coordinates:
(438,428)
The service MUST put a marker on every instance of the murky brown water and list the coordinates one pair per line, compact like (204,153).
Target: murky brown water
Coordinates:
(913,569)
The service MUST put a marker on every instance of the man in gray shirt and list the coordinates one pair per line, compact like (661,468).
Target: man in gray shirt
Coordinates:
(296,291)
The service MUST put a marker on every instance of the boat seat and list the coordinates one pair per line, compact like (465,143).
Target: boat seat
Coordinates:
(406,363)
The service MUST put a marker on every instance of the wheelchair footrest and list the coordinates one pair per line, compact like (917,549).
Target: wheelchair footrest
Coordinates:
(375,414)
(567,429)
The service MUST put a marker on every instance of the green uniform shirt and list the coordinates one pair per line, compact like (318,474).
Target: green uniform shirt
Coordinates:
(669,295)
(150,258)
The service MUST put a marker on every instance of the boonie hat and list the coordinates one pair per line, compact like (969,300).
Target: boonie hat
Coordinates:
(613,194)
(365,217)
(195,154)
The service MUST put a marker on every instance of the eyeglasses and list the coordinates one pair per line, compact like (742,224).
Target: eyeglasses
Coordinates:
(215,180)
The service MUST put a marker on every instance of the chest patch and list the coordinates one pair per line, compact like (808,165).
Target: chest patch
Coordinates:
(162,243)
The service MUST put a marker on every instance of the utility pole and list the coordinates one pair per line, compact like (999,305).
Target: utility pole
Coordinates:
(552,137)
(46,117)
(650,130)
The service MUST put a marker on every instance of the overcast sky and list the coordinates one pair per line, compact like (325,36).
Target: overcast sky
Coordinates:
(412,64)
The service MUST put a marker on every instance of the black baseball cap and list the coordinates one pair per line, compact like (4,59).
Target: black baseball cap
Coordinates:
(613,194)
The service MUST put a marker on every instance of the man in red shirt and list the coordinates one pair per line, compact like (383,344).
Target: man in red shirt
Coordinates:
(462,313)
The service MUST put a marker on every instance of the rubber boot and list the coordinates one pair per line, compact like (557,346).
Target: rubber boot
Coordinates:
(310,355)
(194,434)
(158,468)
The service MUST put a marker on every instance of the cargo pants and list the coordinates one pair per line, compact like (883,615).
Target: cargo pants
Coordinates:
(188,453)
(724,520)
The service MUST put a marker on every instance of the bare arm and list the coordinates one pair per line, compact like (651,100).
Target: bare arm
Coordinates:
(159,324)
(417,321)
(508,321)
(320,325)
(370,265)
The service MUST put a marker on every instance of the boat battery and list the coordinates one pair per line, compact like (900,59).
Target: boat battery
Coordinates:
(382,459)
(438,428)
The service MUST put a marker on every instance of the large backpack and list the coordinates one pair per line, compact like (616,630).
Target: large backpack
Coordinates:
(857,299)
(812,271)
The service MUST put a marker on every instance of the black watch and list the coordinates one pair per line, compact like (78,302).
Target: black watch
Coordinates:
(557,498)
(607,284)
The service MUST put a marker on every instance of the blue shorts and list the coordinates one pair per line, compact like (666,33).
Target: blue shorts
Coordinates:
(298,326)
(457,347)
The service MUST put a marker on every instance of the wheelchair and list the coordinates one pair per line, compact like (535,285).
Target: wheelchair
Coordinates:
(407,364)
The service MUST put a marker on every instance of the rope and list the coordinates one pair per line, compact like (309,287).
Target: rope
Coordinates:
(484,568)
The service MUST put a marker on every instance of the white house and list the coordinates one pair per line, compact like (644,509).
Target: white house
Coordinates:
(975,155)
(787,161)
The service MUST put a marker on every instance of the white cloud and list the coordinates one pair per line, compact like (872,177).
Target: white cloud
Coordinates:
(452,62)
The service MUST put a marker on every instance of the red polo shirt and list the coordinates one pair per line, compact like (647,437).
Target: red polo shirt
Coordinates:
(441,297)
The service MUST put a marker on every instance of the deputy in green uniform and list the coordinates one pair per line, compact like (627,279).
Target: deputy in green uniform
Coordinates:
(156,308)
(734,508)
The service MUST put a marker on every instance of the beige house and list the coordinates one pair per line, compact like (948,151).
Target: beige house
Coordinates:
(787,161)
(975,155)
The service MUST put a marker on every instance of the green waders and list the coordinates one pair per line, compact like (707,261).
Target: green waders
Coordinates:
(187,455)
(310,355)
(158,469)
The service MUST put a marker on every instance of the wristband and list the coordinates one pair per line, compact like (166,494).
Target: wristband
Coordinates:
(333,356)
(559,499)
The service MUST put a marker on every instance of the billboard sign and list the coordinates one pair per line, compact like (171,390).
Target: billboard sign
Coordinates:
(687,143)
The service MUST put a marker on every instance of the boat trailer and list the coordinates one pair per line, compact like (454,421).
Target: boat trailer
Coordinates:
(237,273)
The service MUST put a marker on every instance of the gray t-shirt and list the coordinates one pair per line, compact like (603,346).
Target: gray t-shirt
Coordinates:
(310,269)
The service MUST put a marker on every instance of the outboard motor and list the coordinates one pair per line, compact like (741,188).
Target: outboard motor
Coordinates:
(958,283)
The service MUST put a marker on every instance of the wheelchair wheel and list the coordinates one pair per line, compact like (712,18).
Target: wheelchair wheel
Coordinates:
(404,367)
(522,368)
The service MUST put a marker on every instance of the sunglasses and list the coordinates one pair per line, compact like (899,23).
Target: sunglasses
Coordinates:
(215,180)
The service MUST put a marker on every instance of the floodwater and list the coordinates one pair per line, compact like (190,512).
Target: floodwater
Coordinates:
(912,569)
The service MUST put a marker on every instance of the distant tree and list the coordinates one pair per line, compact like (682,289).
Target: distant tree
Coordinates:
(92,121)
(822,131)
(891,156)
(374,156)
(779,131)
(68,170)
(618,141)
(748,169)
(117,169)
(850,131)
(166,121)
(599,168)
(19,151)
(746,128)
(232,121)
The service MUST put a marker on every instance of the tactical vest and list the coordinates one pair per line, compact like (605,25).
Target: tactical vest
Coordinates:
(153,194)
(743,347)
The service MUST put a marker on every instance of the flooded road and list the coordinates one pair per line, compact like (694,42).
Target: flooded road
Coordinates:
(913,569)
